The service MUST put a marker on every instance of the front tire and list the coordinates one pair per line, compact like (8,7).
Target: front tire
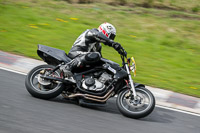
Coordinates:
(136,109)
(48,90)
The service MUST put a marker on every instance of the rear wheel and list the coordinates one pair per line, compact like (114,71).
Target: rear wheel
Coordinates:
(139,108)
(40,87)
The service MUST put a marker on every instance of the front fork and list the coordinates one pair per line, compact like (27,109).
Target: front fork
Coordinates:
(131,82)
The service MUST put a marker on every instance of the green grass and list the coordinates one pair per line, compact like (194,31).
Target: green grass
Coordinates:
(165,44)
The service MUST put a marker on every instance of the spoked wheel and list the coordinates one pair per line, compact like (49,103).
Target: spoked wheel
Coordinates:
(40,87)
(139,108)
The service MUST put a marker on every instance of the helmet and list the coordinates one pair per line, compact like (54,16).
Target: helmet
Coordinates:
(108,30)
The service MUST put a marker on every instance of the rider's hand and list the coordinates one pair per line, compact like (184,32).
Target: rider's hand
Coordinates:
(122,52)
(117,46)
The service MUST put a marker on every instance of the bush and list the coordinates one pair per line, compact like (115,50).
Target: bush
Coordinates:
(148,3)
(85,1)
(69,1)
(196,9)
(122,2)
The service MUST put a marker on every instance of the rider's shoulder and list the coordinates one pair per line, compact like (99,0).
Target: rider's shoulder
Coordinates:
(91,32)
(94,30)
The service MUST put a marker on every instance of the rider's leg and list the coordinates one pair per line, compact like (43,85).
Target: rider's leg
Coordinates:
(91,58)
(81,60)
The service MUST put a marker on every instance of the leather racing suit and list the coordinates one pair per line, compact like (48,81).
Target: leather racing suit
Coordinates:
(87,49)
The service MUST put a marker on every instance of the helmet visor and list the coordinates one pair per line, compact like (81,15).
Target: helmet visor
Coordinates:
(112,36)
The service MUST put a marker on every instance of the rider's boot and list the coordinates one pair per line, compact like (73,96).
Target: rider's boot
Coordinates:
(67,68)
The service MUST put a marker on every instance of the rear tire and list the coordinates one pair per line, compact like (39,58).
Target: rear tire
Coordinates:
(39,91)
(143,108)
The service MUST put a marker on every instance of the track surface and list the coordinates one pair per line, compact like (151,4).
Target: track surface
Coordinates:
(21,113)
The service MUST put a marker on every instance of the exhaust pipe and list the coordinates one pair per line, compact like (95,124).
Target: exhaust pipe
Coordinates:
(91,97)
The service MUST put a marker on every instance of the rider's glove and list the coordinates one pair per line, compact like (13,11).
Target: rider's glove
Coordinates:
(117,46)
(125,53)
(122,52)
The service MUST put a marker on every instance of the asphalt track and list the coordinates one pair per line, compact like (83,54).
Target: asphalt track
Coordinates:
(21,113)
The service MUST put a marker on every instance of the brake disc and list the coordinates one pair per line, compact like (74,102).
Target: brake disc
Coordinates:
(136,103)
(43,81)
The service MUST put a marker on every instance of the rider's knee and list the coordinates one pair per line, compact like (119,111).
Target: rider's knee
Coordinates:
(92,57)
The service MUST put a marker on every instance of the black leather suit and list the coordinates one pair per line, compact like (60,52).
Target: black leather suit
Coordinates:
(87,48)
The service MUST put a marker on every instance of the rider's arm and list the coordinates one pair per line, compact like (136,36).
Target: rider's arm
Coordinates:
(94,34)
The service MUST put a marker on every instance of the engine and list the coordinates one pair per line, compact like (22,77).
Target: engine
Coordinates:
(96,84)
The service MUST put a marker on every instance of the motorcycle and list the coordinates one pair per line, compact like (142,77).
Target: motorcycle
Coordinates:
(91,85)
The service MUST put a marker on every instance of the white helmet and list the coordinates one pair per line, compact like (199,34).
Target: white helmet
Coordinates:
(108,30)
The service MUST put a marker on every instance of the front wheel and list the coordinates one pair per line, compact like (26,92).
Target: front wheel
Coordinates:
(139,108)
(43,88)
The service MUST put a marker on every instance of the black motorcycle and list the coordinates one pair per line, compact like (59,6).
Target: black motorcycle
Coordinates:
(91,85)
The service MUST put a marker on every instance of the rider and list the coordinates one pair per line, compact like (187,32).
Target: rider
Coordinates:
(87,48)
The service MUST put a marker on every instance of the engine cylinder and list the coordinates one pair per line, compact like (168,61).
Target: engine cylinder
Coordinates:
(89,82)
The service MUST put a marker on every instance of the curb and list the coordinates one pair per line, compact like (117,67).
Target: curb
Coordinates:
(163,97)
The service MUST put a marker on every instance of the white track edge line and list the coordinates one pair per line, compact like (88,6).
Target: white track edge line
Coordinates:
(14,71)
(178,110)
(164,107)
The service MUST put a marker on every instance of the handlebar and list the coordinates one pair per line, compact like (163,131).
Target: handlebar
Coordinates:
(123,54)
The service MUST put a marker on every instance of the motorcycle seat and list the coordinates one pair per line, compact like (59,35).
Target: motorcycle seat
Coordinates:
(52,53)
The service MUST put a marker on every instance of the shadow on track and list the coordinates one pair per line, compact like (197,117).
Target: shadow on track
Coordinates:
(158,115)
